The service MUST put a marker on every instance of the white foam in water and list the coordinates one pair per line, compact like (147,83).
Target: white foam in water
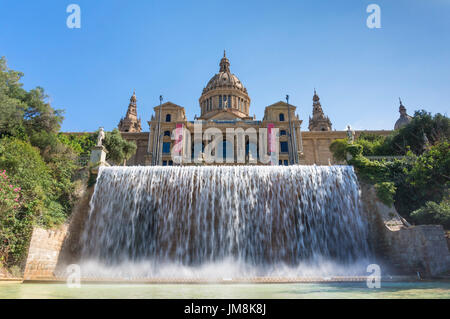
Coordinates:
(225,222)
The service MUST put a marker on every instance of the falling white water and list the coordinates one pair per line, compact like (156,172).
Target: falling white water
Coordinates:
(228,221)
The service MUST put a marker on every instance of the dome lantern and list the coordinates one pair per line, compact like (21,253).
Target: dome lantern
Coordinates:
(224,63)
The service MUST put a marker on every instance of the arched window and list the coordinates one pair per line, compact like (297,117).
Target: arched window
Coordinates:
(282,132)
(251,150)
(166,133)
(166,147)
(281,117)
(227,150)
(168,118)
(284,147)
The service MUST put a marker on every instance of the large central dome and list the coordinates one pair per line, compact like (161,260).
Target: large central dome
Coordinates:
(224,79)
(224,97)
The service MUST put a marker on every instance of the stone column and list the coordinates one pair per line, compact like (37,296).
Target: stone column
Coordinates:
(316,158)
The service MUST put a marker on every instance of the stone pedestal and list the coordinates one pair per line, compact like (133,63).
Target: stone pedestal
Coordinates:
(98,158)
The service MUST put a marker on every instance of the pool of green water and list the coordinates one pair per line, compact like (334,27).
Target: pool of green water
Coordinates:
(14,290)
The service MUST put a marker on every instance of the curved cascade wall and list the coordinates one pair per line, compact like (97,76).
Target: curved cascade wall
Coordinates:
(229,221)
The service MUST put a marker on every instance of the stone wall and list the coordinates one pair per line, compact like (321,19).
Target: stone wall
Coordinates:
(405,249)
(420,249)
(52,250)
(43,253)
(70,250)
(447,235)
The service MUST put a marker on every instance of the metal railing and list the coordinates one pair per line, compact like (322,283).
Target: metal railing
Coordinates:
(385,158)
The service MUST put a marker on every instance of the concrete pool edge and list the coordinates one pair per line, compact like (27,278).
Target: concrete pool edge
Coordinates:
(151,281)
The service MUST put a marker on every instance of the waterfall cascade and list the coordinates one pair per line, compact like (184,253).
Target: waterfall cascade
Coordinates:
(225,221)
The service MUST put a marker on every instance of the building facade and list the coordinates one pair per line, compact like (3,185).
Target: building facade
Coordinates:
(224,106)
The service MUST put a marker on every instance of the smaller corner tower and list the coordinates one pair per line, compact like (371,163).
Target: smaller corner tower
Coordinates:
(318,122)
(130,123)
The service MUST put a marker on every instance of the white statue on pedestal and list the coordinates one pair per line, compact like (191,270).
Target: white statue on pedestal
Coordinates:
(350,135)
(100,137)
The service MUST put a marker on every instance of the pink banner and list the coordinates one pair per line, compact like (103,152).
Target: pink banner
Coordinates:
(271,144)
(178,147)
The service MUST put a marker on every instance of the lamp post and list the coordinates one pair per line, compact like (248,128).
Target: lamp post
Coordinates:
(158,136)
(291,142)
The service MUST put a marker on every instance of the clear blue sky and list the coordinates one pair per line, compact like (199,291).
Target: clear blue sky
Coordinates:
(275,47)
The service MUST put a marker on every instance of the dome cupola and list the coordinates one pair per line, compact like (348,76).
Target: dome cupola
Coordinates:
(404,119)
(224,97)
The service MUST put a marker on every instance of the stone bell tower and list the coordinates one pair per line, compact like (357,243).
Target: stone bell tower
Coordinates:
(131,123)
(318,122)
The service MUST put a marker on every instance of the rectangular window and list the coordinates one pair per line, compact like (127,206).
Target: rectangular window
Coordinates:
(164,163)
(166,147)
(284,147)
(286,163)
(280,162)
(220,101)
(170,163)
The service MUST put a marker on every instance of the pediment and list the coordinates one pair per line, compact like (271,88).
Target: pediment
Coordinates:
(225,115)
(169,105)
(280,104)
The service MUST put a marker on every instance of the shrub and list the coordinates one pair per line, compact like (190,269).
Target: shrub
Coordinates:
(433,213)
(339,149)
(372,144)
(10,204)
(385,192)
(354,149)
(27,168)
(42,184)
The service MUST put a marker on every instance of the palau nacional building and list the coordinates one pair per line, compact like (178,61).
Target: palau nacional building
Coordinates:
(224,104)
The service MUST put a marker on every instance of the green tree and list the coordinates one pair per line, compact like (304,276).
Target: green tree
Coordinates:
(119,150)
(36,157)
(428,179)
(411,137)
(42,201)
(24,113)
(82,144)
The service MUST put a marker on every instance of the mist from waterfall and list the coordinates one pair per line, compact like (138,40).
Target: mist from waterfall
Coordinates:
(225,221)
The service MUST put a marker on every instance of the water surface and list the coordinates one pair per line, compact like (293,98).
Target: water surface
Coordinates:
(388,290)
